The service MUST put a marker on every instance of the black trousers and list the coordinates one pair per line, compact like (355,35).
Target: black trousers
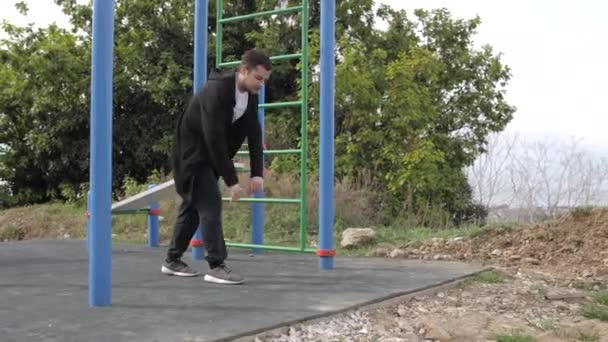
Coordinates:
(202,205)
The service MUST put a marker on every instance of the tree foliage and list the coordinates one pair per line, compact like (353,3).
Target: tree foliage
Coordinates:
(415,102)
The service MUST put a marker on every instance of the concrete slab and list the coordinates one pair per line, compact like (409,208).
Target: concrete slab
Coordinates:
(44,293)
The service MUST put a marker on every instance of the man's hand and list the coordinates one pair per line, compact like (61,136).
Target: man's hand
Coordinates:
(255,184)
(235,192)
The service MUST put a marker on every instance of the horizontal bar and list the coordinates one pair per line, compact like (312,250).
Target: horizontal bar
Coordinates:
(273,58)
(285,57)
(280,104)
(270,247)
(228,64)
(270,152)
(266,200)
(130,212)
(260,14)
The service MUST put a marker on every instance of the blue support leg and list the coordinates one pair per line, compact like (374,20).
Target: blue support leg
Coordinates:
(88,214)
(198,251)
(257,223)
(257,209)
(326,162)
(200,43)
(153,222)
(200,75)
(101,154)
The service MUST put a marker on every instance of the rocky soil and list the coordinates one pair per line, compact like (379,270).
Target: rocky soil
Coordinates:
(546,277)
(574,245)
(525,304)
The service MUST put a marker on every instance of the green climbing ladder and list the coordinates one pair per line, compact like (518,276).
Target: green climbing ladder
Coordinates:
(302,103)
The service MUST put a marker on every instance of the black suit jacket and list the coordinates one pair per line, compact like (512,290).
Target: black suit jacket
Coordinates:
(206,136)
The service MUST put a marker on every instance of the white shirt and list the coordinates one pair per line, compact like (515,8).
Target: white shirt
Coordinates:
(240,103)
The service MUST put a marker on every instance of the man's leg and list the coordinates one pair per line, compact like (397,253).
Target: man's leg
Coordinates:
(208,201)
(185,227)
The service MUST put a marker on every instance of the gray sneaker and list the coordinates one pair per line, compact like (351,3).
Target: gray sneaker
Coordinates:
(223,275)
(178,268)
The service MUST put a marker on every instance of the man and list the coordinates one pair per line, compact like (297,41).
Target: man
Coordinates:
(209,133)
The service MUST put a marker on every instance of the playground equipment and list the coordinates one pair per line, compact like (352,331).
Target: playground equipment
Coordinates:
(100,207)
(257,229)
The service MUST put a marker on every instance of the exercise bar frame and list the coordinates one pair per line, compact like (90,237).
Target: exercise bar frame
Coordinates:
(99,210)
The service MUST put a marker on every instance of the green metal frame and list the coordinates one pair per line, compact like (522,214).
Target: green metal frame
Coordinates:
(302,103)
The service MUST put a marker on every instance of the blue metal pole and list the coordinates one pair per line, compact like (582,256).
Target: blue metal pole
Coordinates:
(326,162)
(153,222)
(198,249)
(100,173)
(89,221)
(257,209)
(200,75)
(200,43)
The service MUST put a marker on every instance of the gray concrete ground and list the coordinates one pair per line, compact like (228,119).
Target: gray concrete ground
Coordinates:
(44,293)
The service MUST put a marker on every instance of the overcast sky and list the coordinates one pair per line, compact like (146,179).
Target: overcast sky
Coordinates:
(557,49)
(558,52)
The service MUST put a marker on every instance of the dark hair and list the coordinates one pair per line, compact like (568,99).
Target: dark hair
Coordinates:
(252,58)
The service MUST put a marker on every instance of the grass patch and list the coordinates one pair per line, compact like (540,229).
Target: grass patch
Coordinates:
(514,338)
(281,224)
(399,236)
(543,324)
(355,206)
(588,285)
(499,226)
(576,334)
(587,336)
(12,232)
(59,220)
(601,297)
(490,277)
(54,220)
(595,311)
(580,212)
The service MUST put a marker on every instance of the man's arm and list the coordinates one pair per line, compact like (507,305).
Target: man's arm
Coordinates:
(214,131)
(254,141)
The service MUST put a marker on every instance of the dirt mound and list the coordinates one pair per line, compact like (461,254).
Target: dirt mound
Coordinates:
(576,243)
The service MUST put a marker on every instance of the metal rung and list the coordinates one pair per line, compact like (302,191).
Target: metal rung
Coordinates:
(269,152)
(270,247)
(267,200)
(273,58)
(130,212)
(260,14)
(280,104)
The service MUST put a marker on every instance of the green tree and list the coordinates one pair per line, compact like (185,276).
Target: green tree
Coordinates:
(414,103)
(45,89)
(428,109)
(43,120)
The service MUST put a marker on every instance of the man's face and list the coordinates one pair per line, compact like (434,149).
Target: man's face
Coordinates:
(254,79)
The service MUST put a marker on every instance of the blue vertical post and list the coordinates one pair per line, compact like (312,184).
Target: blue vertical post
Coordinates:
(198,251)
(326,162)
(100,167)
(89,221)
(200,75)
(153,222)
(257,209)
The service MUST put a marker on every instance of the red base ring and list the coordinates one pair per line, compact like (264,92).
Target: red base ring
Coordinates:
(326,252)
(154,212)
(196,243)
